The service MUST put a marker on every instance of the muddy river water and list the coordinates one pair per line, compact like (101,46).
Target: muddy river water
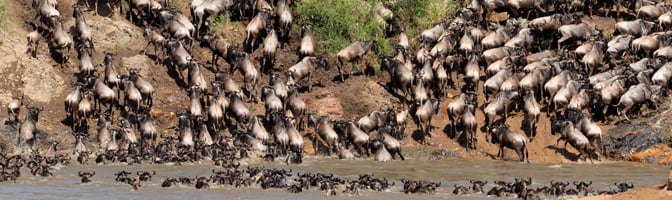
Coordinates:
(66,184)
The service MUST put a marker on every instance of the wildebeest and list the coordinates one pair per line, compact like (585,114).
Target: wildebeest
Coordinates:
(424,114)
(352,53)
(574,137)
(506,138)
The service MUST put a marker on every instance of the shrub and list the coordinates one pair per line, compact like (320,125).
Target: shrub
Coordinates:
(337,23)
(222,25)
(418,15)
(3,15)
(121,46)
(219,22)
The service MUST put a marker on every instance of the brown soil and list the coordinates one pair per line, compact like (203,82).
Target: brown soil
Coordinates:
(46,84)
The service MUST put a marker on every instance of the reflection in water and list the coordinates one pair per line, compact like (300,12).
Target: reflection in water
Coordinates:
(66,184)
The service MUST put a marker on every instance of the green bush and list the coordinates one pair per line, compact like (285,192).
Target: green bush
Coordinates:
(418,15)
(337,23)
(121,45)
(219,22)
(3,15)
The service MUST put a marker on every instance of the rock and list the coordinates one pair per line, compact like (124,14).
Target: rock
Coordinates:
(636,141)
(8,136)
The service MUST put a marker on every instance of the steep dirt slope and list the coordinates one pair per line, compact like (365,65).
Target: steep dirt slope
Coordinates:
(45,83)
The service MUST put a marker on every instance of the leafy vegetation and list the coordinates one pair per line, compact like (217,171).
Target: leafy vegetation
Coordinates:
(219,22)
(337,23)
(3,15)
(222,25)
(121,46)
(418,15)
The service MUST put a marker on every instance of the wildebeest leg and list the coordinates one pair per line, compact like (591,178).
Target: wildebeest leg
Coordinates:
(315,142)
(34,53)
(95,9)
(506,110)
(527,153)
(501,151)
(534,129)
(604,113)
(310,82)
(473,139)
(451,124)
(561,40)
(520,154)
(400,156)
(214,61)
(581,154)
(429,127)
(340,70)
(624,112)
(618,10)
(467,136)
(67,56)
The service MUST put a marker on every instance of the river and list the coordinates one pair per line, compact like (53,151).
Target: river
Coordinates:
(66,184)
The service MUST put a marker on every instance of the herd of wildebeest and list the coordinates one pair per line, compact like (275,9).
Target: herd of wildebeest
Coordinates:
(543,57)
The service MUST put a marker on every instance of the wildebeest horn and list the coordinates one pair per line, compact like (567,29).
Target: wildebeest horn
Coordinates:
(576,183)
(80,173)
(138,173)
